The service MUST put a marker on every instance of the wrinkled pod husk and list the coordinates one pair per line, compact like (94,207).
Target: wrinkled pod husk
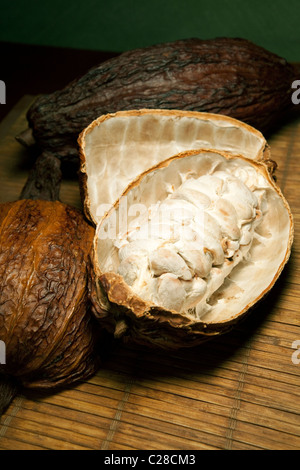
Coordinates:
(62,367)
(43,182)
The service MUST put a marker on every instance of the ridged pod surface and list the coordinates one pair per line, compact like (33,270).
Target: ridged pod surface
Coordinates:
(228,76)
(49,336)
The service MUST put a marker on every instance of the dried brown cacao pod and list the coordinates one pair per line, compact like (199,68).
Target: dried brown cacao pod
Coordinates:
(51,339)
(229,76)
(44,253)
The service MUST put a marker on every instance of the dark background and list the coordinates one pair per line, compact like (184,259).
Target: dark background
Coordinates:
(119,25)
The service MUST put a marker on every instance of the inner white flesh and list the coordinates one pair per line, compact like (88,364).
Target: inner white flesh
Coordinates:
(122,147)
(182,250)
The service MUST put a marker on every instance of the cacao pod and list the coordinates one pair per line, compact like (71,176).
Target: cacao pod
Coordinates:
(44,252)
(213,238)
(116,148)
(229,76)
(51,339)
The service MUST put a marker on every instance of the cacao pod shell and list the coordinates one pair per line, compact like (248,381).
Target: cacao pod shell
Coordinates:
(44,264)
(116,148)
(229,76)
(234,285)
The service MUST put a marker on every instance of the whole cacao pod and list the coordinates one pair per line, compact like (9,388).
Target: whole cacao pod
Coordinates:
(44,253)
(229,76)
(50,337)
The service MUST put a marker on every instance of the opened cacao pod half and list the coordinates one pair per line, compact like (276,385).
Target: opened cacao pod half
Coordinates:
(115,148)
(190,245)
(49,334)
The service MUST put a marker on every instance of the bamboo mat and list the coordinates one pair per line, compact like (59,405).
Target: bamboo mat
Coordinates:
(239,391)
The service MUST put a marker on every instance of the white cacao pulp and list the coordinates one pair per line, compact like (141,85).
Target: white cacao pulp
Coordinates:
(210,234)
(183,249)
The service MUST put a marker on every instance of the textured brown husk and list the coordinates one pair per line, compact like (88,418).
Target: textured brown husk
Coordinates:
(44,264)
(229,76)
